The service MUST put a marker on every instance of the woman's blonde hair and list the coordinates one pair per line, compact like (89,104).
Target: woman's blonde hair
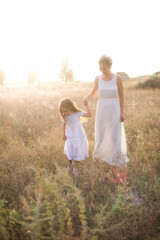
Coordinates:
(105,60)
(68,104)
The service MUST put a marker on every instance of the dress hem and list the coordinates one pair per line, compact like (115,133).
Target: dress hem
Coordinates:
(112,164)
(75,159)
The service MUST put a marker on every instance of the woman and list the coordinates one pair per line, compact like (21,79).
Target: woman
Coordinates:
(110,142)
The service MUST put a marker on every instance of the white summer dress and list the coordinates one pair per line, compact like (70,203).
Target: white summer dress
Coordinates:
(76,144)
(110,141)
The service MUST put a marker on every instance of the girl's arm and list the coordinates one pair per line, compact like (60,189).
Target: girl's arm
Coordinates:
(94,91)
(88,113)
(121,97)
(64,131)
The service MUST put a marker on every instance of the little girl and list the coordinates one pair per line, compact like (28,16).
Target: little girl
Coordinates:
(76,144)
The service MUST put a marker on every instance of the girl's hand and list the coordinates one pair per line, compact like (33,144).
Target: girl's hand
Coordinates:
(122,117)
(85,101)
(64,138)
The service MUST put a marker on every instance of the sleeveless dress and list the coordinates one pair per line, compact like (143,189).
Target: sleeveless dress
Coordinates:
(110,141)
(76,144)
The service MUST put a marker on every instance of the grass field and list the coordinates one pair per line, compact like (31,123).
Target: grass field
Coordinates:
(40,200)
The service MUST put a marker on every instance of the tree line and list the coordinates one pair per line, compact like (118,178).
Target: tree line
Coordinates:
(65,74)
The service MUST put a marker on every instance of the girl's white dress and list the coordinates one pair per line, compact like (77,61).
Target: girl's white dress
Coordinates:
(110,141)
(76,144)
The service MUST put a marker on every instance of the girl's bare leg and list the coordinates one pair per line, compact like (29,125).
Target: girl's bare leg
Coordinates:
(69,165)
(75,164)
(75,172)
(70,162)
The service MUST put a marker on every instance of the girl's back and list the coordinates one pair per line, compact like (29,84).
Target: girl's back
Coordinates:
(74,128)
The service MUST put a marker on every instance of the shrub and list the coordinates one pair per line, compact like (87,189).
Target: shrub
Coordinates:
(150,83)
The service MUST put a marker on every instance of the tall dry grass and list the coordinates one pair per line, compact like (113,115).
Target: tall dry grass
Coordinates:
(40,200)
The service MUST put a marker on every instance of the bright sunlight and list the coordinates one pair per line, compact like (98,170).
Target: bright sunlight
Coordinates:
(41,34)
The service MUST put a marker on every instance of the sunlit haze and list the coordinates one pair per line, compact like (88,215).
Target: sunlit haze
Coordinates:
(42,33)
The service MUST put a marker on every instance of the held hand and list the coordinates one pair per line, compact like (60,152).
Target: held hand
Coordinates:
(122,117)
(64,138)
(85,101)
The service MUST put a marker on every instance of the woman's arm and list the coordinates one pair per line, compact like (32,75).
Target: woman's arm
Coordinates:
(94,91)
(64,131)
(121,97)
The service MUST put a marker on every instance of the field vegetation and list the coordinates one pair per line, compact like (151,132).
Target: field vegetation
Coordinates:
(40,200)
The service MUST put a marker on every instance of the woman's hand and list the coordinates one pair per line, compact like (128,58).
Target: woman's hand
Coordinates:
(64,137)
(122,117)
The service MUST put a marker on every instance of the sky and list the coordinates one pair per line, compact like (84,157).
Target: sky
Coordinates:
(40,34)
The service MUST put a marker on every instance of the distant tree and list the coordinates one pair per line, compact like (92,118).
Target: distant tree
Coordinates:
(2,77)
(32,75)
(66,74)
(123,75)
(69,75)
(156,74)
